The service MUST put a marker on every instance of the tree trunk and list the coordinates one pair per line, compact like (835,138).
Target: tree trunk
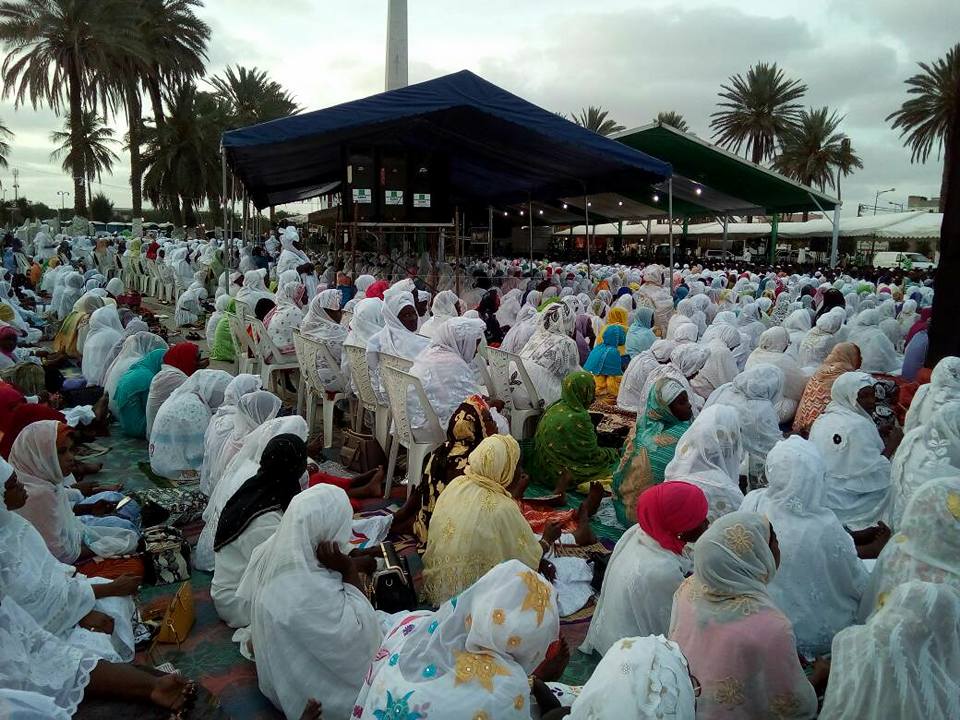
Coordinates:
(944,338)
(174,202)
(156,100)
(945,177)
(189,217)
(134,119)
(76,144)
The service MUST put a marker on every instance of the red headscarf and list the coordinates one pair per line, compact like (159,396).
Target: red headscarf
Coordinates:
(921,324)
(376,290)
(22,416)
(184,356)
(668,509)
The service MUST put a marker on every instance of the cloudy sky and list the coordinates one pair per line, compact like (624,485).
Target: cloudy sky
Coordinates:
(633,57)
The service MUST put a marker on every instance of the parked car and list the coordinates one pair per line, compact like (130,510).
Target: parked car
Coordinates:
(720,256)
(902,261)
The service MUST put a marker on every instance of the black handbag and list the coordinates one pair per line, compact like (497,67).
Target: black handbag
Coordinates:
(392,586)
(166,556)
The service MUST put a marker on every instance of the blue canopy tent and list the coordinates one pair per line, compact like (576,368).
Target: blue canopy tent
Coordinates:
(500,148)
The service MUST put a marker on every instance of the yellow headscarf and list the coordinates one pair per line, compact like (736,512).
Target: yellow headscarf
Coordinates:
(615,316)
(494,460)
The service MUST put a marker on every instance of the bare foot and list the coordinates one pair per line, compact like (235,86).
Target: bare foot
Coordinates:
(372,489)
(173,692)
(520,487)
(584,533)
(594,496)
(552,668)
(313,710)
(563,482)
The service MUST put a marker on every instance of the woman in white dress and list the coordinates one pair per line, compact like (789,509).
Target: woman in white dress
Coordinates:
(252,516)
(322,323)
(398,336)
(772,350)
(286,316)
(944,386)
(445,306)
(549,355)
(90,613)
(721,367)
(858,471)
(635,377)
(313,631)
(928,451)
(708,455)
(176,438)
(647,566)
(222,424)
(104,330)
(820,579)
(822,338)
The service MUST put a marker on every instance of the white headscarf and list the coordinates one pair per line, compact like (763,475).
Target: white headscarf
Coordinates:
(639,678)
(303,615)
(708,455)
(395,339)
(444,307)
(104,330)
(635,377)
(858,475)
(366,322)
(217,450)
(944,386)
(820,578)
(134,348)
(903,663)
(822,338)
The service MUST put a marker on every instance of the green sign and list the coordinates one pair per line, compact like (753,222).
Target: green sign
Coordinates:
(393,197)
(362,196)
(421,200)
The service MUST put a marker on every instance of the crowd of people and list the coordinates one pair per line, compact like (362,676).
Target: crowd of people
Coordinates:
(780,465)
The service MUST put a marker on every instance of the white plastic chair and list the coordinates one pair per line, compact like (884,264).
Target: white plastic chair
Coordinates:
(395,361)
(360,374)
(308,351)
(244,346)
(398,384)
(346,317)
(498,363)
(272,362)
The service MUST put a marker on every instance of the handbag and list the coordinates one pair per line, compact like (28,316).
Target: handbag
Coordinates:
(176,617)
(167,556)
(173,506)
(361,452)
(392,587)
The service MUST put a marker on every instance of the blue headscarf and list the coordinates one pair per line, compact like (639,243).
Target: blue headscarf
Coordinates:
(640,335)
(604,359)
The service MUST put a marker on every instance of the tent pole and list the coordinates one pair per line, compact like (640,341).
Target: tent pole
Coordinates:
(223,202)
(530,224)
(774,226)
(586,223)
(456,248)
(726,218)
(670,228)
(835,236)
(490,230)
(233,202)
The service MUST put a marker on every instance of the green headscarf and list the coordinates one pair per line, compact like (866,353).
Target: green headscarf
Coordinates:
(132,390)
(566,439)
(647,453)
(223,348)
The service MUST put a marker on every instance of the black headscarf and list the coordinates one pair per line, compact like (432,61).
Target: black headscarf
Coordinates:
(832,298)
(271,489)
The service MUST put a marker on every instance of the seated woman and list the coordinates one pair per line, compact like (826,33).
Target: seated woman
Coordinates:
(635,376)
(134,348)
(218,314)
(398,336)
(187,311)
(640,336)
(472,657)
(90,613)
(822,338)
(739,645)
(651,446)
(944,386)
(605,363)
(858,471)
(42,456)
(307,607)
(844,358)
(615,316)
(925,548)
(878,352)
(709,456)
(322,323)
(549,355)
(476,524)
(132,392)
(105,329)
(821,578)
(444,371)
(222,346)
(721,366)
(287,315)
(41,676)
(242,466)
(772,350)
(647,566)
(565,444)
(928,451)
(176,438)
(639,678)
(251,517)
(445,306)
(899,642)
(179,363)
(754,394)
(686,361)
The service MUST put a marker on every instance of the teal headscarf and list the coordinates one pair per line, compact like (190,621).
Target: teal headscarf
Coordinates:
(604,359)
(640,335)
(132,390)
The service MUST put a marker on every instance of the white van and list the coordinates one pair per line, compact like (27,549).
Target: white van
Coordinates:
(902,261)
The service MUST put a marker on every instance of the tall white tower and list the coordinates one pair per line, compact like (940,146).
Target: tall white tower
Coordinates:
(396,75)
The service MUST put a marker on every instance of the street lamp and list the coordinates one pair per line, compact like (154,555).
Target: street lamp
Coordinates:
(63,194)
(877,198)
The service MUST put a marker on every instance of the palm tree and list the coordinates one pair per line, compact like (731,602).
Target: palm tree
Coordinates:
(61,54)
(176,39)
(595,118)
(673,119)
(5,134)
(93,153)
(756,111)
(252,97)
(925,119)
(181,159)
(814,149)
